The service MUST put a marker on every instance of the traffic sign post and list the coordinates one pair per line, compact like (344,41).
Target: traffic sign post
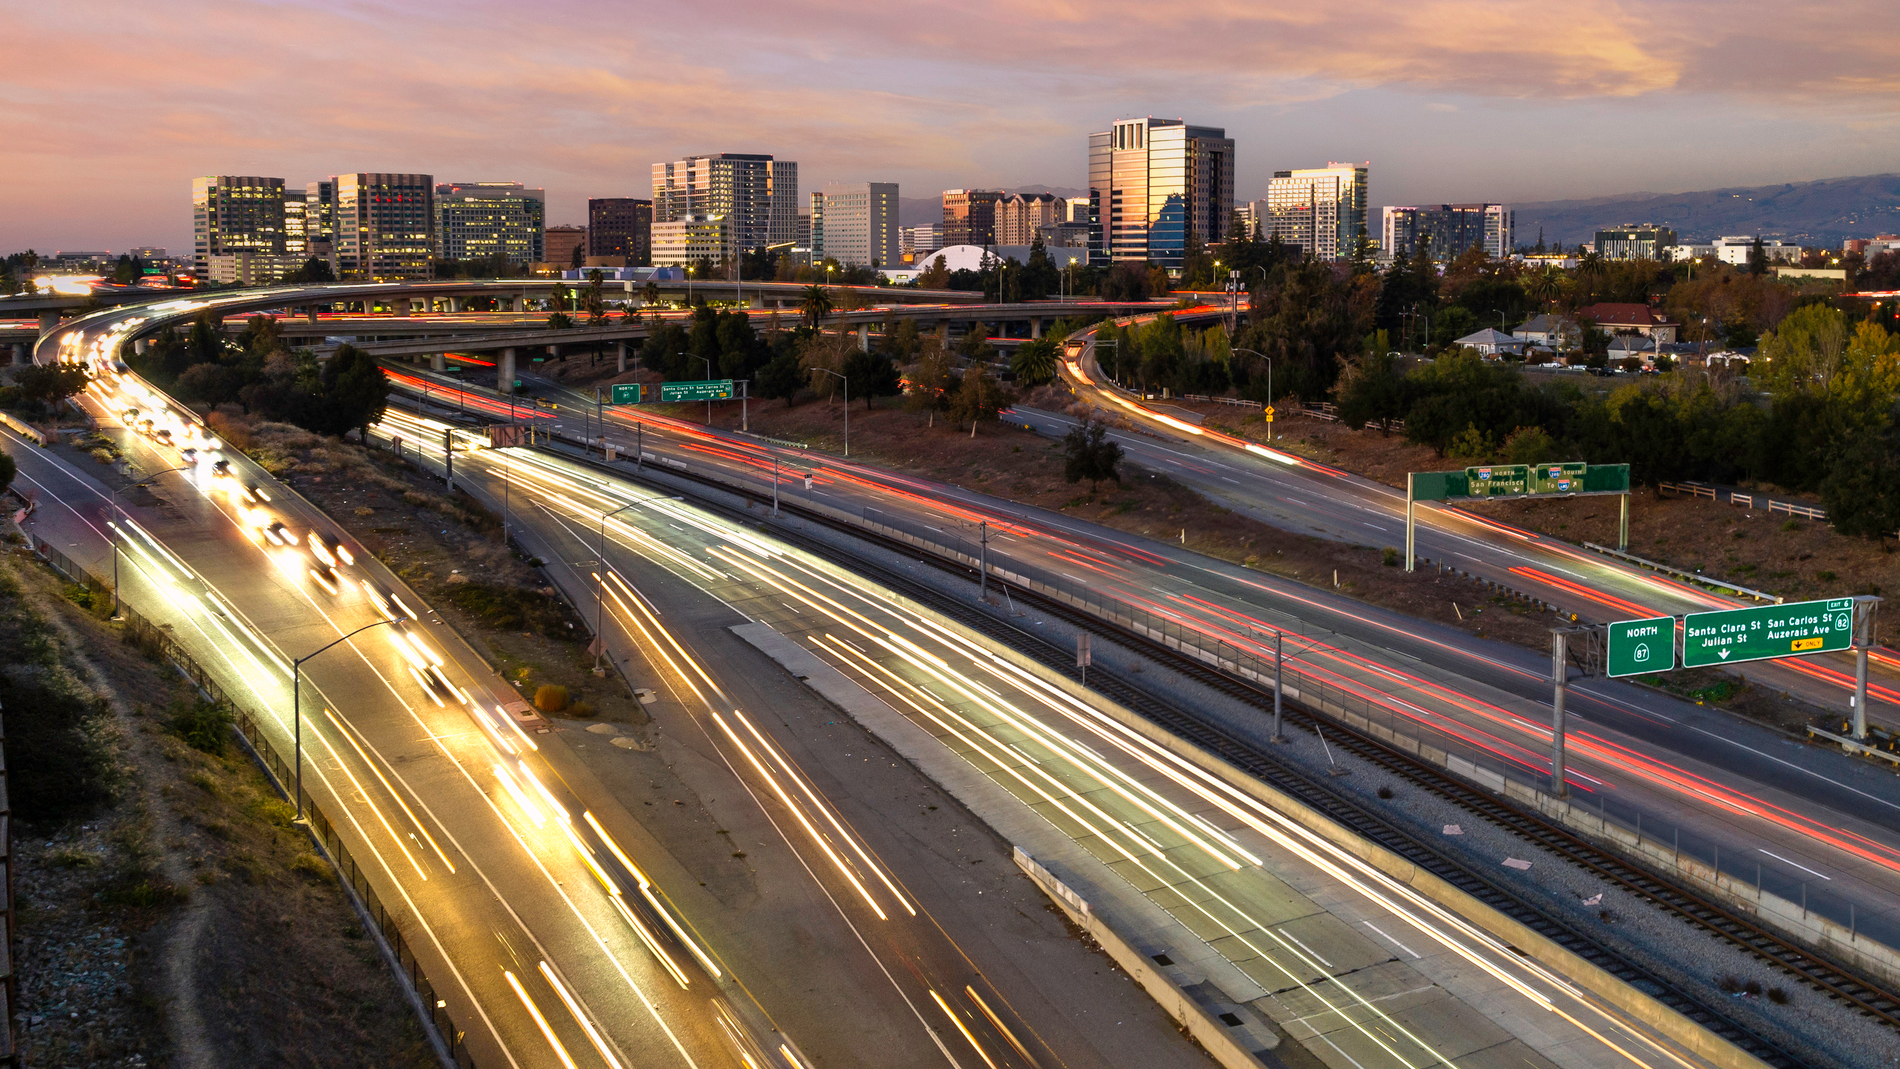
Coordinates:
(1766,631)
(1639,647)
(1498,480)
(626,393)
(1570,479)
(707,390)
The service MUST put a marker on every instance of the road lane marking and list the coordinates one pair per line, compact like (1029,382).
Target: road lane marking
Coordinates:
(1796,864)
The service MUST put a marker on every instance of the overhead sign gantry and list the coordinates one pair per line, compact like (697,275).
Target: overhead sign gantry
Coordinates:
(1490,481)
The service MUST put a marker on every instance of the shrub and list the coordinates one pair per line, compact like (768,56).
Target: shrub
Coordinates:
(581,710)
(203,725)
(550,697)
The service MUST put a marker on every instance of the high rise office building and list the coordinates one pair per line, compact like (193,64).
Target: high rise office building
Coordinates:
(1021,216)
(1158,187)
(755,194)
(1633,242)
(814,229)
(319,221)
(689,239)
(855,223)
(296,241)
(384,225)
(235,214)
(969,216)
(620,226)
(912,240)
(490,221)
(1447,230)
(1320,209)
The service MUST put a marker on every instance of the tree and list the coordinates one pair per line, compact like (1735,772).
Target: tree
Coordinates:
(560,321)
(934,277)
(1088,454)
(1470,444)
(8,470)
(1035,362)
(1371,389)
(903,341)
(781,377)
(1039,277)
(1757,258)
(979,399)
(972,346)
(314,270)
(816,305)
(49,384)
(579,257)
(1862,488)
(352,392)
(929,380)
(1126,281)
(650,295)
(872,375)
(1529,445)
(592,300)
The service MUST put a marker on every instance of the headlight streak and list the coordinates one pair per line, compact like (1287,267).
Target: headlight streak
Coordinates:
(532,811)
(996,1022)
(540,1021)
(958,1024)
(268,702)
(593,1035)
(349,736)
(646,891)
(1199,783)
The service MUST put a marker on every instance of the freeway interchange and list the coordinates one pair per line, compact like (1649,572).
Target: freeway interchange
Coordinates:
(562,927)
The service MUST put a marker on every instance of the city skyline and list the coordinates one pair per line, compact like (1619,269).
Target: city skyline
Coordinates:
(857,93)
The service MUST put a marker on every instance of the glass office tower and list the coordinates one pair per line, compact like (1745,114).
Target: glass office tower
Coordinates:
(1158,187)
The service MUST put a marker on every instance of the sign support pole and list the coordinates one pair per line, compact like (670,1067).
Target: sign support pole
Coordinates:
(1863,638)
(448,458)
(983,565)
(1411,519)
(1560,673)
(1623,527)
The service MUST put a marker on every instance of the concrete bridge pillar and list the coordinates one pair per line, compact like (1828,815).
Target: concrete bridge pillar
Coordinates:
(505,372)
(864,337)
(400,307)
(49,321)
(310,313)
(18,353)
(622,355)
(141,345)
(554,352)
(1035,328)
(438,362)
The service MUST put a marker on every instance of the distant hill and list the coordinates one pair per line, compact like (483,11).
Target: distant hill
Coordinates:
(1819,213)
(922,211)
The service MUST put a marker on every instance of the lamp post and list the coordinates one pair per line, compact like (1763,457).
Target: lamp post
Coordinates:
(117,529)
(296,706)
(847,406)
(1269,361)
(599,614)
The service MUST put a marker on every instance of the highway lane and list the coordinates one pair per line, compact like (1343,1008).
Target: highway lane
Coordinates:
(1190,844)
(492,892)
(1280,488)
(535,877)
(1732,786)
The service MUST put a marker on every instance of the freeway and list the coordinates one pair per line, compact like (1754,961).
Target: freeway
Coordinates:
(557,927)
(1285,490)
(1802,821)
(1208,854)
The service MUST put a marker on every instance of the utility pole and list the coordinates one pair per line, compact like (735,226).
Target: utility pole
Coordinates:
(1278,666)
(448,457)
(1560,678)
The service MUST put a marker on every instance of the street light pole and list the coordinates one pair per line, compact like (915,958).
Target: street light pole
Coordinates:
(1269,361)
(296,706)
(600,582)
(847,406)
(117,529)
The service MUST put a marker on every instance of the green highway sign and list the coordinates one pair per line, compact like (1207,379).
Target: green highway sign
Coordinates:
(1558,478)
(1638,647)
(626,393)
(1767,631)
(1498,479)
(710,390)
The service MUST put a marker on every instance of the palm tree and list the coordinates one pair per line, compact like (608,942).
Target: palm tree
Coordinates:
(1591,268)
(651,295)
(1544,284)
(816,305)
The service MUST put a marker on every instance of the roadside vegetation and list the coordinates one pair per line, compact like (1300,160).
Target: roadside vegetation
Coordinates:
(168,911)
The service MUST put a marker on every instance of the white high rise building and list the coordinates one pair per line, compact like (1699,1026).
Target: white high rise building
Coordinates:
(756,196)
(1320,209)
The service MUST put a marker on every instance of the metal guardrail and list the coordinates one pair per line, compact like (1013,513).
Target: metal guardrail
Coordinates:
(319,826)
(1694,577)
(1238,402)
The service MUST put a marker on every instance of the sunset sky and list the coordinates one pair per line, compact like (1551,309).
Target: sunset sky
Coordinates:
(108,109)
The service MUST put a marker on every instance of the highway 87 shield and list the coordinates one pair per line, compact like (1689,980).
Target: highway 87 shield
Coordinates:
(1768,631)
(1637,647)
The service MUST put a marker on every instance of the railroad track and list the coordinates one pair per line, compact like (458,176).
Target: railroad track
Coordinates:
(1796,961)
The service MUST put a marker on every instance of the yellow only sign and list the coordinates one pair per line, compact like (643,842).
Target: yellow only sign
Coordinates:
(1800,644)
(1269,411)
